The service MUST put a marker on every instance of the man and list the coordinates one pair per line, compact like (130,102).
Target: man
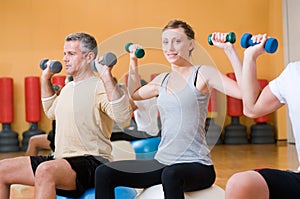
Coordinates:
(84,112)
(268,183)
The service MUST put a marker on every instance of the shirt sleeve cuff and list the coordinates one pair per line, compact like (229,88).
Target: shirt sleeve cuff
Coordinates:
(117,100)
(48,98)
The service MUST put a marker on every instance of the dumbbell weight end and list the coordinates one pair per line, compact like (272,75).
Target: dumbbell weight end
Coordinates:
(43,64)
(55,66)
(139,53)
(271,45)
(109,59)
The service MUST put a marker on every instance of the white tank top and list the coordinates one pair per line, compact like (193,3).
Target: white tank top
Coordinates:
(183,116)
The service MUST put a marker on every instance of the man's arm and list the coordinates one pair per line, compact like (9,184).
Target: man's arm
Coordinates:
(46,85)
(256,102)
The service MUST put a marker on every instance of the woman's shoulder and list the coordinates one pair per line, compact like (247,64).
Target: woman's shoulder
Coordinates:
(159,78)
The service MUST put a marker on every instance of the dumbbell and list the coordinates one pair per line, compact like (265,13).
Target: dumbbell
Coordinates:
(55,66)
(139,53)
(55,87)
(109,59)
(270,45)
(229,38)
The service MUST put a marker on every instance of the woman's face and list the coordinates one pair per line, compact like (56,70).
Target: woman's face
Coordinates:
(176,46)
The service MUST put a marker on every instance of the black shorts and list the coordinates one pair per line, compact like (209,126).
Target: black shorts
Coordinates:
(282,184)
(51,135)
(84,166)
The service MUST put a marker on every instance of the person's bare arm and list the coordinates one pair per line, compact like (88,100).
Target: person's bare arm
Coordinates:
(219,40)
(46,85)
(256,102)
(134,82)
(113,91)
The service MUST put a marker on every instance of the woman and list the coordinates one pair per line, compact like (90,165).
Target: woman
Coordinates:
(182,162)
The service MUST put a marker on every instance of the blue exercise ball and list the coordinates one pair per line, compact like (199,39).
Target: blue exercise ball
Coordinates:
(120,193)
(62,197)
(145,148)
(125,193)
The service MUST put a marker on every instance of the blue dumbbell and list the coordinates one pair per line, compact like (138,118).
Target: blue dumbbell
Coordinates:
(55,66)
(109,59)
(271,44)
(139,53)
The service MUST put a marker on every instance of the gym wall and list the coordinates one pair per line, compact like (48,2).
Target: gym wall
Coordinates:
(35,29)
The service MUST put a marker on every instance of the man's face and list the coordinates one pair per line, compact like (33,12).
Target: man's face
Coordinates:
(75,60)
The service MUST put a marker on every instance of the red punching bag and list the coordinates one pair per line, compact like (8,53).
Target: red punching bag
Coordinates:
(234,106)
(152,76)
(213,131)
(6,100)
(33,109)
(9,141)
(212,104)
(58,80)
(33,99)
(235,133)
(262,83)
(262,132)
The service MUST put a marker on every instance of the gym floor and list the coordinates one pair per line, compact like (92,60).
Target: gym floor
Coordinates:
(228,159)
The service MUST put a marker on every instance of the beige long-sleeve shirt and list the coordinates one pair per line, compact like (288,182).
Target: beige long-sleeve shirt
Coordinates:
(84,118)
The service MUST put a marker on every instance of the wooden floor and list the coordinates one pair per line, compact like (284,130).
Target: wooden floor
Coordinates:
(228,159)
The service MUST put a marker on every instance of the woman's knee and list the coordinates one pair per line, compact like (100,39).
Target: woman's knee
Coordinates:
(169,175)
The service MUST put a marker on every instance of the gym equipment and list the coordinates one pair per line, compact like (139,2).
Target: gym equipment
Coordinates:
(139,53)
(152,76)
(145,149)
(9,141)
(229,38)
(213,192)
(55,66)
(120,193)
(235,133)
(109,59)
(270,45)
(262,132)
(213,131)
(33,109)
(58,82)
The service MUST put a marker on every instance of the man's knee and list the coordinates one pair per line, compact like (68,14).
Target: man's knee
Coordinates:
(44,171)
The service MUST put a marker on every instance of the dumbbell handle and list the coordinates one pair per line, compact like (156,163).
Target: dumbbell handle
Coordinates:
(139,53)
(271,44)
(229,38)
(55,66)
(109,59)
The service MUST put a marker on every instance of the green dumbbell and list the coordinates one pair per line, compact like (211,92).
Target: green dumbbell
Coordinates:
(139,53)
(229,38)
